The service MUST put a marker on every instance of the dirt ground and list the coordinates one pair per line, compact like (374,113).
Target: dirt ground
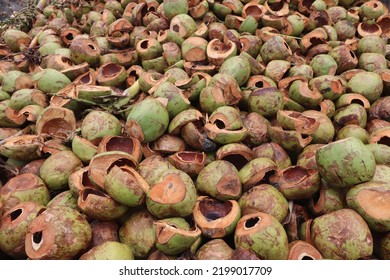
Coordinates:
(8,6)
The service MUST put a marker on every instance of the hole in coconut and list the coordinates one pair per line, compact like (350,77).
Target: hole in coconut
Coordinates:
(191,157)
(295,174)
(213,209)
(375,5)
(352,54)
(385,25)
(198,125)
(66,60)
(92,47)
(120,144)
(321,20)
(385,140)
(144,44)
(316,197)
(296,115)
(144,11)
(110,69)
(350,119)
(370,28)
(259,84)
(265,179)
(221,47)
(253,11)
(91,191)
(176,28)
(133,73)
(199,63)
(162,33)
(353,11)
(153,77)
(285,74)
(307,258)
(85,79)
(37,237)
(85,180)
(277,6)
(220,124)
(286,45)
(238,160)
(252,222)
(15,214)
(57,127)
(121,162)
(314,41)
(305,136)
(357,101)
(46,152)
(116,34)
(69,36)
(307,3)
